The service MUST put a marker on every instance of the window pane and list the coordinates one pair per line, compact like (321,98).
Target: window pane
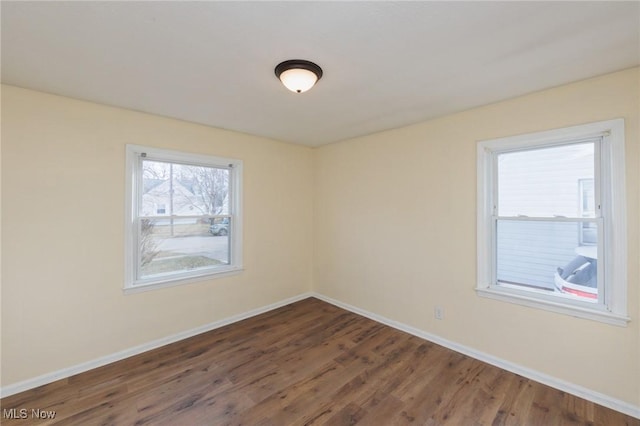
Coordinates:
(181,245)
(200,190)
(547,255)
(547,182)
(183,190)
(155,188)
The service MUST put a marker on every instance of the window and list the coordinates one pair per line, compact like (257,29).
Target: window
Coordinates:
(183,217)
(551,220)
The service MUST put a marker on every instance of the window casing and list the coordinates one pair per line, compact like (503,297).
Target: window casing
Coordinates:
(551,212)
(183,218)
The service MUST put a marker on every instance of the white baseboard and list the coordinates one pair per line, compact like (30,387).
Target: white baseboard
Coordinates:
(588,394)
(99,362)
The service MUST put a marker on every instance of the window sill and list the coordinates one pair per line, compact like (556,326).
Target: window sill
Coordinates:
(139,288)
(563,308)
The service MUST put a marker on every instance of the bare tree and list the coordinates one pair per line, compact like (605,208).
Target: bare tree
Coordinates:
(211,186)
(203,189)
(147,244)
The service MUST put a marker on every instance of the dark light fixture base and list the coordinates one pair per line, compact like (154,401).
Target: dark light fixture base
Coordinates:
(298,64)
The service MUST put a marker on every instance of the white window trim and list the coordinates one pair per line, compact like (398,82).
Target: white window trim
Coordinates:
(612,166)
(133,153)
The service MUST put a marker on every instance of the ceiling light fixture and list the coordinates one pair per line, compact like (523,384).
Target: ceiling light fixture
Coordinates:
(298,75)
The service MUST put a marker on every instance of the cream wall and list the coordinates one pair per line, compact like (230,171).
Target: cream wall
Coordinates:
(62,219)
(395,234)
(384,222)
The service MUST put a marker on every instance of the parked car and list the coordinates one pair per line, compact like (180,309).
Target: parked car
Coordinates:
(220,227)
(579,276)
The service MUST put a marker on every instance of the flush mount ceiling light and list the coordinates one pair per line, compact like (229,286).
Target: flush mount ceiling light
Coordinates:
(298,75)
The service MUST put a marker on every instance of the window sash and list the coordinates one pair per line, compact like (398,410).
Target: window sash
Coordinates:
(136,155)
(597,142)
(140,279)
(599,222)
(142,157)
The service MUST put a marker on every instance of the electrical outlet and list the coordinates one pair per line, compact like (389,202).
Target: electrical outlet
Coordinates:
(438,312)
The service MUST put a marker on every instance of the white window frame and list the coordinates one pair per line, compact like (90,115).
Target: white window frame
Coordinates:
(612,309)
(133,184)
(583,212)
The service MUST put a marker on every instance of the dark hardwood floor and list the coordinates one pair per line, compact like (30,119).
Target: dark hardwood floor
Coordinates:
(305,363)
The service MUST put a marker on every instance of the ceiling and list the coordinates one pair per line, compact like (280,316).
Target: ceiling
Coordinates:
(386,64)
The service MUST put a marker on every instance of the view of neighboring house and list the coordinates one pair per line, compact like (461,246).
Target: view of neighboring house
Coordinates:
(544,183)
(171,197)
(183,190)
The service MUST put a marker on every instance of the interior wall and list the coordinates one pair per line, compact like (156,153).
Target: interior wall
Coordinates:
(63,183)
(395,234)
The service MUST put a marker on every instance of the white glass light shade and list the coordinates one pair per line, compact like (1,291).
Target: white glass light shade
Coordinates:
(298,80)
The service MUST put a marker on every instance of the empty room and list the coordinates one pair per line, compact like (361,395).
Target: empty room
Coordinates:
(320,213)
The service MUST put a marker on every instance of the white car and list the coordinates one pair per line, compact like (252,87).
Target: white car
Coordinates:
(579,277)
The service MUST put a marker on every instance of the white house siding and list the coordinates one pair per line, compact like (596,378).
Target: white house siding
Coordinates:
(185,203)
(540,183)
(530,252)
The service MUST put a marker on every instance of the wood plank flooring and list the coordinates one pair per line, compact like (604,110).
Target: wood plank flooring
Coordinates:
(308,363)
